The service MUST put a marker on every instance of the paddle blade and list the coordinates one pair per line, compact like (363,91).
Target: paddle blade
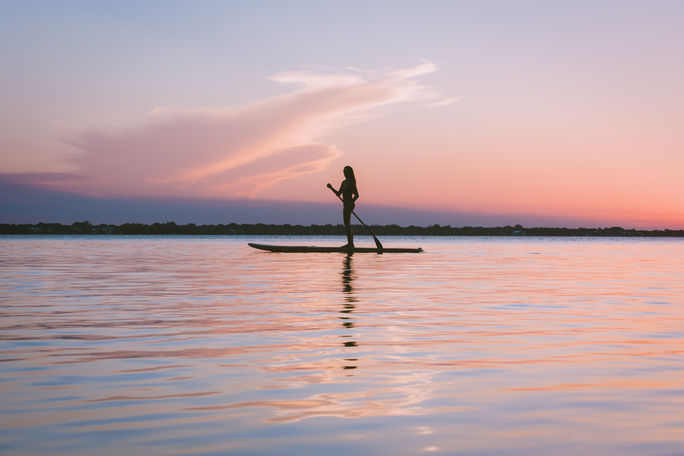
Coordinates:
(378,245)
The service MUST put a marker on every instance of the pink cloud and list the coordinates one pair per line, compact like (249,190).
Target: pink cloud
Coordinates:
(236,152)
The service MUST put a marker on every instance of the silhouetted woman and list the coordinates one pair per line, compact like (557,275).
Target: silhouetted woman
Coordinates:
(349,195)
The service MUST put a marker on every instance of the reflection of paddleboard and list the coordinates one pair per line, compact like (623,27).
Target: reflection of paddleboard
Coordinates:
(305,248)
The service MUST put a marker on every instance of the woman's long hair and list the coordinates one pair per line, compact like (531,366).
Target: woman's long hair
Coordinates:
(349,174)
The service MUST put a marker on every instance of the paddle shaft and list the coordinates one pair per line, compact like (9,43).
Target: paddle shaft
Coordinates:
(377,241)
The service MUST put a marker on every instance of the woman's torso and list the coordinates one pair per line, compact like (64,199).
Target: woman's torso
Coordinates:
(348,188)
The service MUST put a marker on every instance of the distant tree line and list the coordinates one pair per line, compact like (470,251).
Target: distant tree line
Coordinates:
(171,228)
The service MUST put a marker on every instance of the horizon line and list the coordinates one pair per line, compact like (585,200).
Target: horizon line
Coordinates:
(172,228)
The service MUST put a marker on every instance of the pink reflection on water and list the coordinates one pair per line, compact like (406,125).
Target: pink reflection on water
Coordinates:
(498,344)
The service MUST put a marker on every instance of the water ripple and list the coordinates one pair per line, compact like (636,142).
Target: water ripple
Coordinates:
(175,345)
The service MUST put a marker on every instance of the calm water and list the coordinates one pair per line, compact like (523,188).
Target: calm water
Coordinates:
(173,345)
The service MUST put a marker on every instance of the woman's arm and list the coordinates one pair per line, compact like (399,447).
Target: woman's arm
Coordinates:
(336,192)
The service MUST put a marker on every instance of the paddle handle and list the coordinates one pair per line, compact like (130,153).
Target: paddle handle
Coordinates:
(338,195)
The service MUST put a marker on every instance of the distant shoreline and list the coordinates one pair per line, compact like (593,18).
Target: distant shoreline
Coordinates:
(171,228)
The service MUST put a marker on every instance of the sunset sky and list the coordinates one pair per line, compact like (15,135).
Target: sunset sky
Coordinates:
(462,112)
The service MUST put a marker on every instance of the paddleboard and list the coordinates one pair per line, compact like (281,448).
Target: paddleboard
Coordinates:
(306,248)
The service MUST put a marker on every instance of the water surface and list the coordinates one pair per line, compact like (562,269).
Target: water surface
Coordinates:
(201,345)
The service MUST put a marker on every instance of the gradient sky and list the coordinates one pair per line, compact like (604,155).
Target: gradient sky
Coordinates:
(564,110)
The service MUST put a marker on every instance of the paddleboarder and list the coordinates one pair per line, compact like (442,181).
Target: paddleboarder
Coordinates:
(349,194)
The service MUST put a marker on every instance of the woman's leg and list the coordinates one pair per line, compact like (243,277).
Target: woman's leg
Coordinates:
(347,225)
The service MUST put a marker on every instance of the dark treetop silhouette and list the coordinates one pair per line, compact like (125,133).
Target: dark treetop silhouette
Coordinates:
(260,229)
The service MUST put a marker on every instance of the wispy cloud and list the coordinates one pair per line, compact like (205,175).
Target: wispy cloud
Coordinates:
(444,102)
(235,152)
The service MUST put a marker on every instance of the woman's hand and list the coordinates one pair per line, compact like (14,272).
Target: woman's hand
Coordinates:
(333,189)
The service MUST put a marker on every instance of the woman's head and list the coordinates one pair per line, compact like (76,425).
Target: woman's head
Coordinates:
(349,173)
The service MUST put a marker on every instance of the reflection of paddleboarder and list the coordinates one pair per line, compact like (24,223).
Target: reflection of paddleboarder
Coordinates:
(349,306)
(349,194)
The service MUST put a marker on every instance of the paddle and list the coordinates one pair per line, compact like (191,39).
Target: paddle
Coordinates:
(377,242)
